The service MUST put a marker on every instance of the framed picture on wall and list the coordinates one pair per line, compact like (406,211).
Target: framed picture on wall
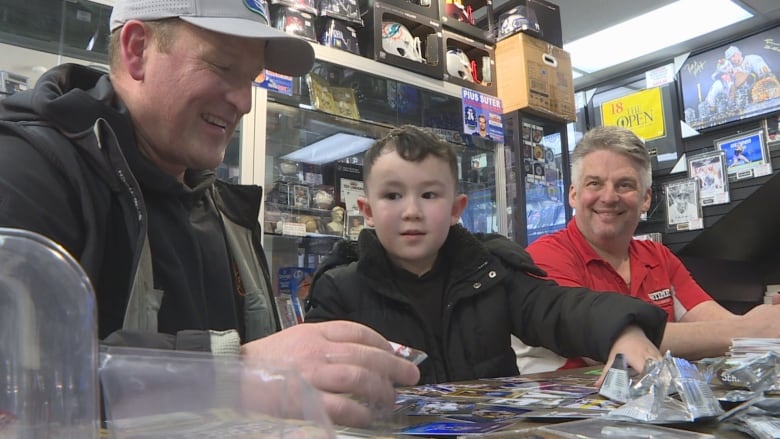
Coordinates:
(709,170)
(732,82)
(747,155)
(355,223)
(683,210)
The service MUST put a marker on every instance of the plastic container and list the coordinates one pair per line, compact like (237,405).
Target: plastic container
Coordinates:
(171,394)
(48,341)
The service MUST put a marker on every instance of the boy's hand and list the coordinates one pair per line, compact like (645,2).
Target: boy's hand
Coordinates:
(636,349)
(351,364)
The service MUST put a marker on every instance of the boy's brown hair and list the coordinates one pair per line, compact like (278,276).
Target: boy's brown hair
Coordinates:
(413,144)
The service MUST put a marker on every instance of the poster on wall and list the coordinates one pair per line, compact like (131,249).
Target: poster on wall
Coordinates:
(482,115)
(709,170)
(641,112)
(683,210)
(732,82)
(746,155)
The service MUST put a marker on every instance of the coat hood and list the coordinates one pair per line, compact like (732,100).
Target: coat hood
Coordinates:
(70,97)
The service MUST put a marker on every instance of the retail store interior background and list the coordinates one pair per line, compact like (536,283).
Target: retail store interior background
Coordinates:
(734,256)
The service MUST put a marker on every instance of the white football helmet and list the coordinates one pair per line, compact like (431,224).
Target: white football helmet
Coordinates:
(397,40)
(459,65)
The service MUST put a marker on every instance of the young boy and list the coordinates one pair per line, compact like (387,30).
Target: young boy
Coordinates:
(424,281)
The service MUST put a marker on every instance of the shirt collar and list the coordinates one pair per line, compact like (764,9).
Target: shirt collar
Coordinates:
(589,254)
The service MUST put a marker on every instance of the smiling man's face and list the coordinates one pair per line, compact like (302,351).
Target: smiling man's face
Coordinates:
(609,198)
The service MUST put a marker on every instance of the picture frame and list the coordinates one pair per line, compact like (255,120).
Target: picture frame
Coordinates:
(709,170)
(683,209)
(301,198)
(715,92)
(350,191)
(772,127)
(355,223)
(747,155)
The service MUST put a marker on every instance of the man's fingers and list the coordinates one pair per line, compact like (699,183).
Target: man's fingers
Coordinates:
(346,331)
(361,383)
(344,411)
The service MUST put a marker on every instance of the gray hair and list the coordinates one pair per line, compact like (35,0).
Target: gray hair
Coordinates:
(614,139)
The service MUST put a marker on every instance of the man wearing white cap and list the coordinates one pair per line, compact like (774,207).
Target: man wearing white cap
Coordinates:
(118,169)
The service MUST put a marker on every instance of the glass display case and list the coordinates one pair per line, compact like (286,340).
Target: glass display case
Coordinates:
(313,171)
(537,176)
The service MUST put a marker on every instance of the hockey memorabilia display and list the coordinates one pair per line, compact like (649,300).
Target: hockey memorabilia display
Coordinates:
(709,170)
(295,22)
(683,209)
(746,155)
(347,10)
(732,82)
(338,34)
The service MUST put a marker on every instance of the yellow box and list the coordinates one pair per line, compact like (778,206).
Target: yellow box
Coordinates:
(534,75)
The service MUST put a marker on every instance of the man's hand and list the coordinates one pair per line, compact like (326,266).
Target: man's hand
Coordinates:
(636,349)
(347,361)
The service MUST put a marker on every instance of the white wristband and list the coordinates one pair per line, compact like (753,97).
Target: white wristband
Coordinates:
(225,342)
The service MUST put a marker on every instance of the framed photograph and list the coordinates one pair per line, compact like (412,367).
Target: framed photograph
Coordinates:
(683,210)
(709,170)
(747,155)
(351,190)
(772,126)
(355,223)
(301,196)
(731,82)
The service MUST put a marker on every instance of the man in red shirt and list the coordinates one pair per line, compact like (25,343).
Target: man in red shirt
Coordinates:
(611,188)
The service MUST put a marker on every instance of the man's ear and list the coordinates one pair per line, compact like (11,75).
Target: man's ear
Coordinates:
(134,41)
(458,206)
(646,200)
(365,210)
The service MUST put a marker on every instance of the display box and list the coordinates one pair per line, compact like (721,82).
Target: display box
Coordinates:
(538,18)
(423,8)
(474,58)
(294,21)
(402,39)
(536,76)
(473,18)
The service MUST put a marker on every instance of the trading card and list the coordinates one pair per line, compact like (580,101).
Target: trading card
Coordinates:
(440,407)
(453,428)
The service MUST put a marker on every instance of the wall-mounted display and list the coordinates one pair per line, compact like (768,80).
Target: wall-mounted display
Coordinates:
(732,82)
(709,170)
(683,210)
(746,155)
(651,113)
(641,112)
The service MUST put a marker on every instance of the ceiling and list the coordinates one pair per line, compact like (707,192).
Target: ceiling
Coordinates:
(583,17)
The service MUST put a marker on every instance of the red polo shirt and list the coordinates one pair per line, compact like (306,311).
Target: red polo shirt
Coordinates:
(657,275)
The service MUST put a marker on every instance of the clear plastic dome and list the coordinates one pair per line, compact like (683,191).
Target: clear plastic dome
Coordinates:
(48,341)
(175,394)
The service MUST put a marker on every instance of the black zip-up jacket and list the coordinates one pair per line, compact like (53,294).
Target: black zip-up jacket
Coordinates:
(492,292)
(64,173)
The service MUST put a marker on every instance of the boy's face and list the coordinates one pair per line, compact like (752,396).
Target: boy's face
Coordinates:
(412,206)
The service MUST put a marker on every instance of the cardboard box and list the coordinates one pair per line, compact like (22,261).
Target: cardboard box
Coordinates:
(536,76)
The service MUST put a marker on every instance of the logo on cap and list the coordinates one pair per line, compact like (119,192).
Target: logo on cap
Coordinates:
(257,7)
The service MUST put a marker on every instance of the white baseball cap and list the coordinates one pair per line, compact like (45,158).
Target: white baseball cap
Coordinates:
(285,53)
